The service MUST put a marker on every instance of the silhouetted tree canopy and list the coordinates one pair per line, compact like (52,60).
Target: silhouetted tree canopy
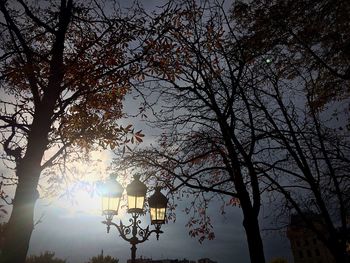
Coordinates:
(305,38)
(46,257)
(100,258)
(238,127)
(65,67)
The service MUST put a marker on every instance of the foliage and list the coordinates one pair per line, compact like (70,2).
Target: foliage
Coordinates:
(94,77)
(46,257)
(103,259)
(205,151)
(238,126)
(299,37)
(295,61)
(65,68)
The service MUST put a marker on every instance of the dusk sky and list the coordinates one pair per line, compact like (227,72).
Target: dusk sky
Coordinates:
(72,228)
(68,215)
(75,233)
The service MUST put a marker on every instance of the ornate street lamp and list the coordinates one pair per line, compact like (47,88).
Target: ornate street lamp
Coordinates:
(136,193)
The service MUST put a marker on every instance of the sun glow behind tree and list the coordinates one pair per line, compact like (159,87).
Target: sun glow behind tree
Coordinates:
(76,186)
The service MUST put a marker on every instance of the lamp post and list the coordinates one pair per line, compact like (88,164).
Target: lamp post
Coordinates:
(136,194)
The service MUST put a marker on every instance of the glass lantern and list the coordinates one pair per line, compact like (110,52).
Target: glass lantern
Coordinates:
(136,192)
(111,194)
(158,204)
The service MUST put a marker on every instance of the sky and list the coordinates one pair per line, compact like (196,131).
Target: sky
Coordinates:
(75,233)
(74,230)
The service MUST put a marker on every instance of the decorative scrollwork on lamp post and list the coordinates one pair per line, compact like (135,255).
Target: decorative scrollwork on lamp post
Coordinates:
(136,194)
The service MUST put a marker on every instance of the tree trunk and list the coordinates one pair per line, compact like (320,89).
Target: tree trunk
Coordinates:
(252,230)
(20,225)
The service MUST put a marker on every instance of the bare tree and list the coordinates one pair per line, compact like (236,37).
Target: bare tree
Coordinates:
(307,34)
(236,123)
(199,74)
(304,159)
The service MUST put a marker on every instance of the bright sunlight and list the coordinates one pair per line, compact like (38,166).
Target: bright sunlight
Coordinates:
(79,194)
